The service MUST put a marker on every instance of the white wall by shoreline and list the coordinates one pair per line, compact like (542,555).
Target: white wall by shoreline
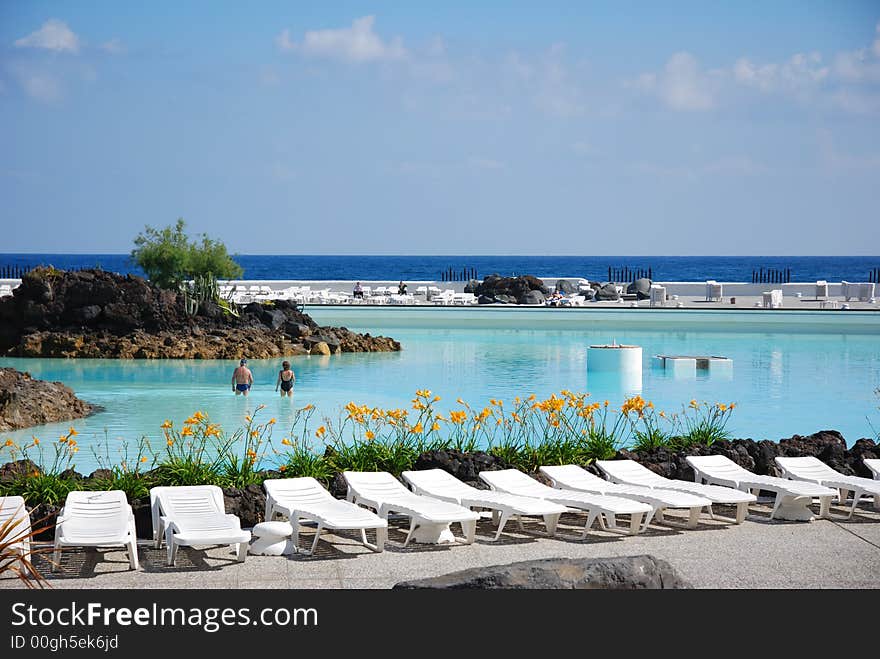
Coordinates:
(684,288)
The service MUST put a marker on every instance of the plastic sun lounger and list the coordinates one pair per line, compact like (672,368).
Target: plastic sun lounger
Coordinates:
(429,518)
(813,470)
(96,519)
(792,497)
(874,465)
(442,485)
(14,516)
(194,515)
(305,499)
(630,472)
(573,477)
(597,506)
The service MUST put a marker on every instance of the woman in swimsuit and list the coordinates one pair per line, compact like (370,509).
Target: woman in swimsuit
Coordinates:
(285,380)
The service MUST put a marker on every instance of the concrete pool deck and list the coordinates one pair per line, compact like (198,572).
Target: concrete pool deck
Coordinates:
(760,553)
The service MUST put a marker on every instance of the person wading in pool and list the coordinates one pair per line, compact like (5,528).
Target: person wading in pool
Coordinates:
(242,378)
(285,380)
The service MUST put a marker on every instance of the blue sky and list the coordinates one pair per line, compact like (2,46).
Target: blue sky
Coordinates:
(443,128)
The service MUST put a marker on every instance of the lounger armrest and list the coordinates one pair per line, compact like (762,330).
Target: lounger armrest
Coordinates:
(234,518)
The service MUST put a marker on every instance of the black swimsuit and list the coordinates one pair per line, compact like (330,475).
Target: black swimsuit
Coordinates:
(286,385)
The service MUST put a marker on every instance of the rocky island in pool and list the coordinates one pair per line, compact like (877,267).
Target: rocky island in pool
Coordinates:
(98,314)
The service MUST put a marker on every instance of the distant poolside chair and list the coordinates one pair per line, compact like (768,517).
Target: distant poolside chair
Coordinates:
(772,299)
(714,291)
(821,290)
(658,295)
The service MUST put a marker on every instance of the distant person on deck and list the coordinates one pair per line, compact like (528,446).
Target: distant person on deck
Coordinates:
(242,378)
(285,380)
(358,291)
(401,289)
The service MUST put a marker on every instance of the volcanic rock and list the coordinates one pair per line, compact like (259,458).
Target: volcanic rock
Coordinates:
(92,313)
(26,402)
(617,573)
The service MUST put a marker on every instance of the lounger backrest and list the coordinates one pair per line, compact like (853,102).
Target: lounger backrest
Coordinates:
(514,481)
(95,511)
(13,508)
(874,465)
(296,490)
(718,466)
(436,482)
(572,477)
(630,471)
(186,501)
(806,467)
(377,485)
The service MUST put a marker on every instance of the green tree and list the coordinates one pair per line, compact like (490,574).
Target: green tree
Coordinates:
(168,256)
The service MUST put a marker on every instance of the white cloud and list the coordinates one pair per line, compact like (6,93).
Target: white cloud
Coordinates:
(39,85)
(114,46)
(682,85)
(548,81)
(53,35)
(862,65)
(283,40)
(799,72)
(358,43)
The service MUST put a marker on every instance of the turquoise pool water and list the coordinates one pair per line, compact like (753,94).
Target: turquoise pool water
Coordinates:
(788,378)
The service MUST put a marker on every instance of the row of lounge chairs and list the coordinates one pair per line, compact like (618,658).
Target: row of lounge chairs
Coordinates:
(195,515)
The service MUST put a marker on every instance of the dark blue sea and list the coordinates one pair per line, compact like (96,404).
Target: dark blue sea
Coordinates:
(663,268)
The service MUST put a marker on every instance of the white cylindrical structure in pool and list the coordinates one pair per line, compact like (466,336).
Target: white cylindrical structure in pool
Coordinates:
(621,364)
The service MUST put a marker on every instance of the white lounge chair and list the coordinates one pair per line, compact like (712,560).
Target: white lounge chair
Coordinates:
(630,472)
(792,497)
(874,465)
(14,516)
(658,295)
(306,499)
(442,485)
(714,291)
(597,506)
(573,477)
(772,299)
(813,470)
(429,518)
(821,290)
(96,519)
(193,515)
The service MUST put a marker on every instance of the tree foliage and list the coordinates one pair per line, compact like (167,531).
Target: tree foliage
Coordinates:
(168,256)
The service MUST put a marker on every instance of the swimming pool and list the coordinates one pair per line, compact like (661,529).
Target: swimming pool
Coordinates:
(792,373)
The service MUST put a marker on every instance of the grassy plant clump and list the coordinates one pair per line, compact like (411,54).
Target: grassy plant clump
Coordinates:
(703,424)
(50,481)
(193,455)
(646,425)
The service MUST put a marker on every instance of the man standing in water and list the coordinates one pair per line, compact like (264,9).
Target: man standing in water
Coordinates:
(242,378)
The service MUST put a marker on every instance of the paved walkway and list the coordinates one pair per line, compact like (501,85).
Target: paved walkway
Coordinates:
(757,554)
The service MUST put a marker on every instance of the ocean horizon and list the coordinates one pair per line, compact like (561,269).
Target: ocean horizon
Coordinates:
(437,267)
